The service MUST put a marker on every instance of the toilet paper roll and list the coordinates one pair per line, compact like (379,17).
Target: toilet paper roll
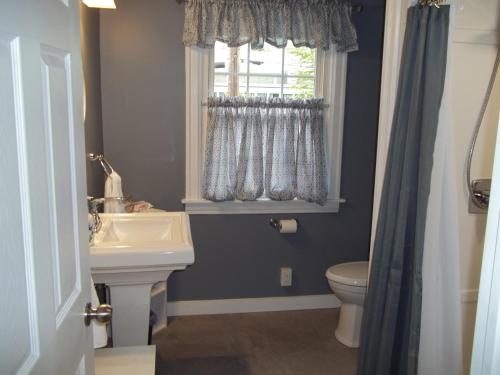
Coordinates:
(288,226)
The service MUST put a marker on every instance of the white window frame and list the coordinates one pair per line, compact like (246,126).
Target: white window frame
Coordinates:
(330,84)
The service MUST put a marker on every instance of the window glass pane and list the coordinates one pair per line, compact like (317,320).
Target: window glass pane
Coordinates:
(267,72)
(299,71)
(221,84)
(221,57)
(265,85)
(242,69)
(221,69)
(265,67)
(299,61)
(242,84)
(299,87)
(267,60)
(243,56)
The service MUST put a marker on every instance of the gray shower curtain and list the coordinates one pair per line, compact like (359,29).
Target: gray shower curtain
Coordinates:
(391,320)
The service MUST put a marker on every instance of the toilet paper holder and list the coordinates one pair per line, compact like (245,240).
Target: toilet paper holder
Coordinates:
(276,224)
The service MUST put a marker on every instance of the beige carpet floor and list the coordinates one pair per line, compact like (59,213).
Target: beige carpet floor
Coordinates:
(271,343)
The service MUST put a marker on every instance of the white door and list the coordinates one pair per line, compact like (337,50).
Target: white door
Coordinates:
(44,267)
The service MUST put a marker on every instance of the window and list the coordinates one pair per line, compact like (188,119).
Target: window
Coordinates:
(269,72)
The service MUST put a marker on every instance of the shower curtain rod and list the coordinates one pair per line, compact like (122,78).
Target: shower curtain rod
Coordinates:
(431,3)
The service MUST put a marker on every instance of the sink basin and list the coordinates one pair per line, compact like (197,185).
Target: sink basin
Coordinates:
(143,240)
(131,253)
(137,229)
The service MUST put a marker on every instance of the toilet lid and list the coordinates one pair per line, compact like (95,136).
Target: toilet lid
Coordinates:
(353,273)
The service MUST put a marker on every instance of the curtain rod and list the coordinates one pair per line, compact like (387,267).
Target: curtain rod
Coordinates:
(205,104)
(357,8)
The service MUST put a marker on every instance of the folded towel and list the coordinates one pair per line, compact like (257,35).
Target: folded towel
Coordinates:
(98,329)
(113,189)
(140,206)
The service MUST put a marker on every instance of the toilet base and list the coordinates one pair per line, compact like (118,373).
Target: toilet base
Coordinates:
(349,326)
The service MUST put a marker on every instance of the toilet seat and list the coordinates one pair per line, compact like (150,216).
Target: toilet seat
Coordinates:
(352,274)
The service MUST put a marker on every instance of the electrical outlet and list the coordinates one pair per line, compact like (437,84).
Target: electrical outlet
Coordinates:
(286,276)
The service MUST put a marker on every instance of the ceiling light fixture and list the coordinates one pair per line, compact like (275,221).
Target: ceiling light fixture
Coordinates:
(107,4)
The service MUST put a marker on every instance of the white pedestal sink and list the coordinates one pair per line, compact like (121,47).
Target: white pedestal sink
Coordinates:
(132,252)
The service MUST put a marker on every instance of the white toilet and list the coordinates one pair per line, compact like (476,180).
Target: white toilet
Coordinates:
(348,282)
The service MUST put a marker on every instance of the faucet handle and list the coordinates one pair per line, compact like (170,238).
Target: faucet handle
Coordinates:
(89,202)
(94,204)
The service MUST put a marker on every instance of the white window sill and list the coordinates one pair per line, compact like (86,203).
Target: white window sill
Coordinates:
(264,206)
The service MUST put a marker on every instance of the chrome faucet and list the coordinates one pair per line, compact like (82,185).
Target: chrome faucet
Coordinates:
(93,204)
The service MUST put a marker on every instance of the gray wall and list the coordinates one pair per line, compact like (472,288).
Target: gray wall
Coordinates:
(236,256)
(142,63)
(93,115)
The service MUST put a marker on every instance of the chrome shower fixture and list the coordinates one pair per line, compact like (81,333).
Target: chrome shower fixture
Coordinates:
(479,190)
(478,202)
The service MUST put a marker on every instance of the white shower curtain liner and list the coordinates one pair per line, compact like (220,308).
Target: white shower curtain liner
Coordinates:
(440,350)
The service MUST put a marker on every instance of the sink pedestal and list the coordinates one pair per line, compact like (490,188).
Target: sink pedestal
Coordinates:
(130,314)
(130,293)
(130,254)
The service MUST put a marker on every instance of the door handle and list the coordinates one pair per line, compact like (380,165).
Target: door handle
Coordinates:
(102,313)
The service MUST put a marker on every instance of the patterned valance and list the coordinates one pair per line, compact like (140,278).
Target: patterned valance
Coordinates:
(310,23)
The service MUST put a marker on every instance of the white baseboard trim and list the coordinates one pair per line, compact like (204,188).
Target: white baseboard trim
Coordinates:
(246,305)
(158,328)
(469,295)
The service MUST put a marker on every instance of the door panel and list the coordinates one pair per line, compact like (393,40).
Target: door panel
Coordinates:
(56,88)
(43,216)
(20,352)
